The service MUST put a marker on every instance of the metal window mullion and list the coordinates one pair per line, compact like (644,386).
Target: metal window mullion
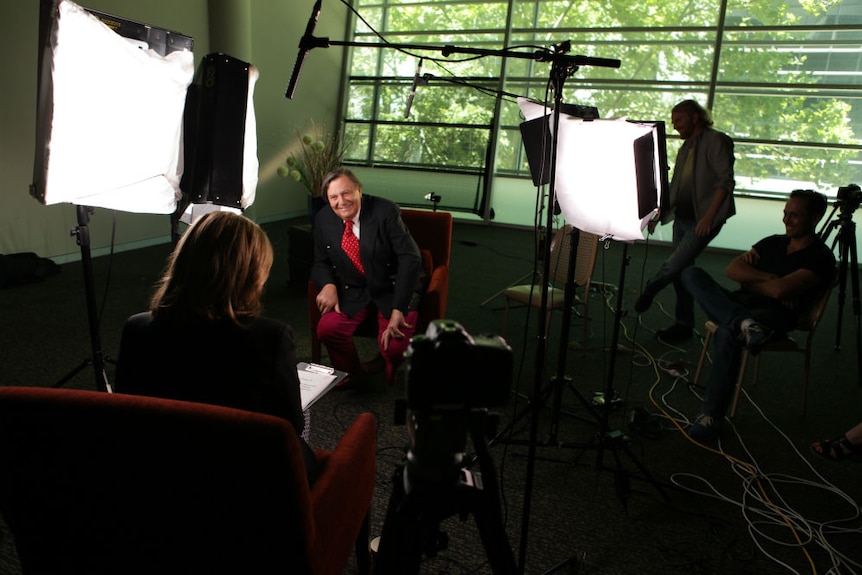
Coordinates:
(494,132)
(378,86)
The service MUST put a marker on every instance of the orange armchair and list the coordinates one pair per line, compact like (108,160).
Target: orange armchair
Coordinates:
(93,482)
(433,233)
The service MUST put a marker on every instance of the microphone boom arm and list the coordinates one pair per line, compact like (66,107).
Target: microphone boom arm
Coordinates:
(309,42)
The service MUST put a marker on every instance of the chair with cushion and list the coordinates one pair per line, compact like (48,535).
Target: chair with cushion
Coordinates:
(93,482)
(807,324)
(561,250)
(433,233)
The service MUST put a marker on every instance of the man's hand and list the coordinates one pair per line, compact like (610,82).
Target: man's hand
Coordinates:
(327,299)
(393,330)
(750,257)
(704,226)
(743,269)
(651,226)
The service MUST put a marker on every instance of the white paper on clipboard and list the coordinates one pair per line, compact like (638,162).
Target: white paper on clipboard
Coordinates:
(315,380)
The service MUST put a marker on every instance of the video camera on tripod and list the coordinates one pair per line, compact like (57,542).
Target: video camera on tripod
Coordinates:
(452,380)
(849,198)
(449,373)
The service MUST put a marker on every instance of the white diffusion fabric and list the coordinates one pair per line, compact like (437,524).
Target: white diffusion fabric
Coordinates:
(116,136)
(596,178)
(597,186)
(250,163)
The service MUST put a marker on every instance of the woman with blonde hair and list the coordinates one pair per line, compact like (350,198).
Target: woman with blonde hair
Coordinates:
(203,338)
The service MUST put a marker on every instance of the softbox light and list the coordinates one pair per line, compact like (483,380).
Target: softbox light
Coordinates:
(109,112)
(609,173)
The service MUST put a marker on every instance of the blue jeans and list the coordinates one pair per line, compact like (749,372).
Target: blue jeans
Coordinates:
(687,245)
(727,309)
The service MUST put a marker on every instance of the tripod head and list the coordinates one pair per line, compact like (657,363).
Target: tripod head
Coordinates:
(849,198)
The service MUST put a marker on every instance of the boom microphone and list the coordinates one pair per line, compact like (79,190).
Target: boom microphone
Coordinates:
(305,45)
(412,95)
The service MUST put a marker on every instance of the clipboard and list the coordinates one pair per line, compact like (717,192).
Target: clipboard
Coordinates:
(315,380)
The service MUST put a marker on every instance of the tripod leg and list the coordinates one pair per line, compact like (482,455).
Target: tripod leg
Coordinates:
(69,376)
(400,546)
(843,247)
(854,278)
(489,519)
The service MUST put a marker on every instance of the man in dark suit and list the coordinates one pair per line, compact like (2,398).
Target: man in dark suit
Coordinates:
(365,261)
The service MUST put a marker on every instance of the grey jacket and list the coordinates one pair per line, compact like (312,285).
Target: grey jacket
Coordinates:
(713,169)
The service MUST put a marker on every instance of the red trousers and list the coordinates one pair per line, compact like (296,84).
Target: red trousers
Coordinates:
(336,330)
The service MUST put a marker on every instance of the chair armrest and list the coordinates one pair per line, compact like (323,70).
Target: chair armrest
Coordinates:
(313,320)
(313,312)
(341,496)
(434,302)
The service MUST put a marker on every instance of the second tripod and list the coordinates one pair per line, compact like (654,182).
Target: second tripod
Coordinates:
(849,199)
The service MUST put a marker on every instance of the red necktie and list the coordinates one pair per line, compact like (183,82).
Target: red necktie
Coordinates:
(350,245)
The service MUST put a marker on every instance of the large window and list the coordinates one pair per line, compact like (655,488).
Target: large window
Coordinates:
(784,79)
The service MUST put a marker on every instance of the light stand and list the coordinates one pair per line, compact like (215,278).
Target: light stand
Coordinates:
(614,440)
(606,439)
(846,240)
(82,236)
(594,195)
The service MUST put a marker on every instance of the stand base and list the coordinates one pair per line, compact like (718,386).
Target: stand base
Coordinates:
(86,363)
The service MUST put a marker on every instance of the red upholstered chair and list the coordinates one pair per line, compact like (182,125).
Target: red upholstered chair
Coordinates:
(433,233)
(93,482)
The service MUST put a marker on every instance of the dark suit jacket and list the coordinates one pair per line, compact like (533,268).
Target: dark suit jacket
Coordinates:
(251,367)
(390,256)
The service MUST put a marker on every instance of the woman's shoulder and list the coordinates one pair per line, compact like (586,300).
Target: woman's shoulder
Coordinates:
(140,320)
(266,325)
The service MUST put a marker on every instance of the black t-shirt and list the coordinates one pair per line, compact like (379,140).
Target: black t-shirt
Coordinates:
(815,257)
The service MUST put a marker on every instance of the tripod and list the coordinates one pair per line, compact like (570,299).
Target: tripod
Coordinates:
(98,360)
(419,501)
(846,240)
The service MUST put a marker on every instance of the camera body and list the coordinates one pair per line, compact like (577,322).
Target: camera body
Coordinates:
(447,366)
(449,375)
(849,197)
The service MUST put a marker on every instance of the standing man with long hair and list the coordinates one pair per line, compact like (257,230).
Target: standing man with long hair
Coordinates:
(700,202)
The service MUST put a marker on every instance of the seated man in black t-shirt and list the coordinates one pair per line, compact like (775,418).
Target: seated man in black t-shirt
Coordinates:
(779,277)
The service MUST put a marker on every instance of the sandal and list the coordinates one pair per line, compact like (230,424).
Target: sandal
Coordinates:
(837,449)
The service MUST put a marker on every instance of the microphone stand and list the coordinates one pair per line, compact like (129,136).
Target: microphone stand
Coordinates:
(562,66)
